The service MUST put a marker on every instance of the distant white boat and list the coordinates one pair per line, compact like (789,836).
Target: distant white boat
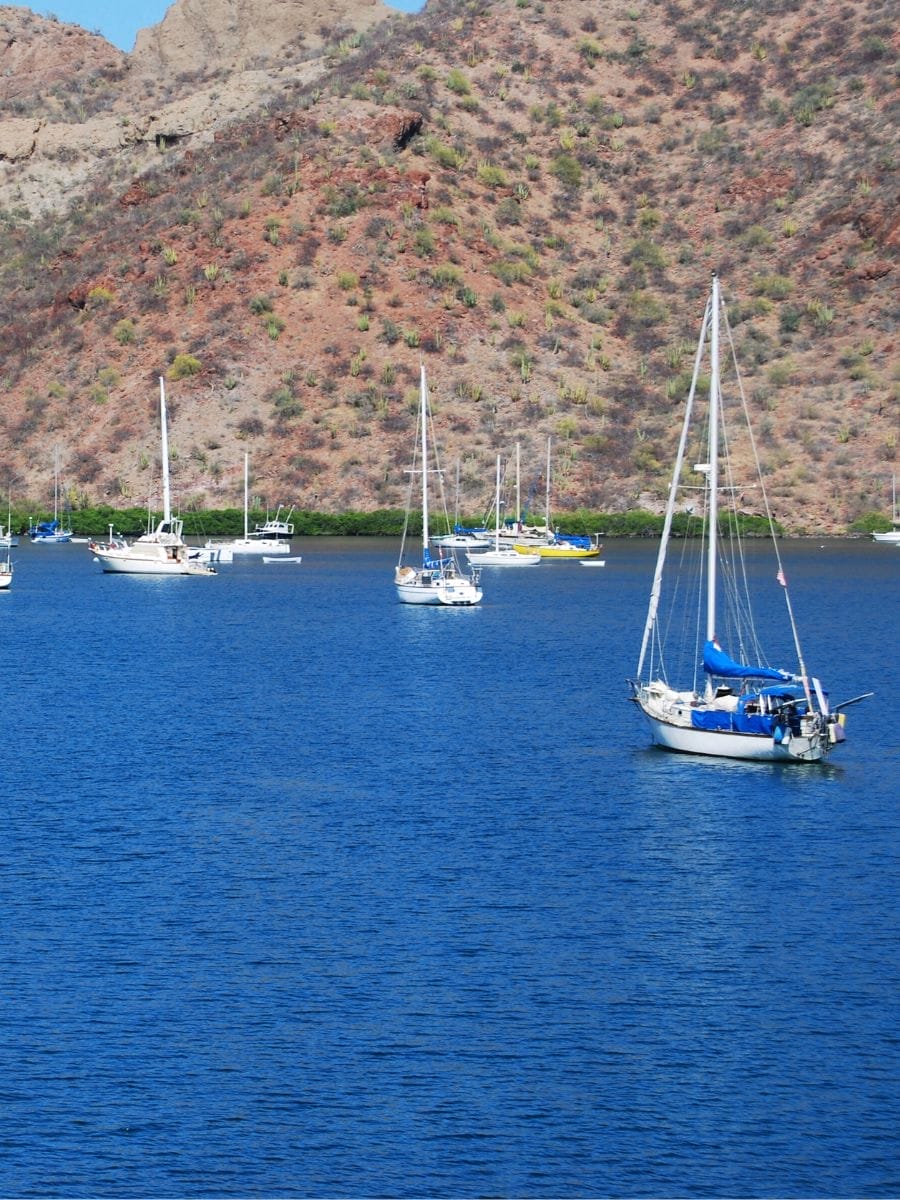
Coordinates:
(276,527)
(282,559)
(224,552)
(276,541)
(7,538)
(438,580)
(501,556)
(162,552)
(46,533)
(462,538)
(893,535)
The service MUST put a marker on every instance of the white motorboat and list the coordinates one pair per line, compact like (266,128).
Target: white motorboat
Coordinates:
(276,527)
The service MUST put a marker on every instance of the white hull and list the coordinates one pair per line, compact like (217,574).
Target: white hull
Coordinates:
(749,747)
(535,537)
(426,587)
(283,558)
(259,546)
(213,552)
(504,557)
(440,594)
(51,539)
(460,541)
(893,536)
(126,562)
(5,577)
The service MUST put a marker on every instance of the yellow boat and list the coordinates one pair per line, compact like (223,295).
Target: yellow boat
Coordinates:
(562,549)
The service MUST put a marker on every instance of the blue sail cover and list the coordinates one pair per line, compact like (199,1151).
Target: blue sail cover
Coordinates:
(432,564)
(578,540)
(717,662)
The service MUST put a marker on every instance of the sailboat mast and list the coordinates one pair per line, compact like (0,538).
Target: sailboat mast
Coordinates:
(518,490)
(167,500)
(712,478)
(497,509)
(547,501)
(246,484)
(424,406)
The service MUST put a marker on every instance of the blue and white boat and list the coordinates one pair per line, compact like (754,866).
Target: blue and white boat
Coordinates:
(695,695)
(51,532)
(438,581)
(47,532)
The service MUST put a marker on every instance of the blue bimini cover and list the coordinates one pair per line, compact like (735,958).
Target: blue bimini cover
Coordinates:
(717,662)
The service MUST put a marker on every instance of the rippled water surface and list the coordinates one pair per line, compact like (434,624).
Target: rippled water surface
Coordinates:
(305,892)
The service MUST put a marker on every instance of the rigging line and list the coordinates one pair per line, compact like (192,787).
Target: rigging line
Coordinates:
(765,497)
(673,491)
(411,472)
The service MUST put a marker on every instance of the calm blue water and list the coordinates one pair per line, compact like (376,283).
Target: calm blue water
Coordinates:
(304,892)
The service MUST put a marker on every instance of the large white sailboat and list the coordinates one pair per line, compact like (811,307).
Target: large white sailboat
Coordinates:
(162,551)
(438,580)
(746,709)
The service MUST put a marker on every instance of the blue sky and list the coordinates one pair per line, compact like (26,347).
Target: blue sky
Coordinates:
(119,20)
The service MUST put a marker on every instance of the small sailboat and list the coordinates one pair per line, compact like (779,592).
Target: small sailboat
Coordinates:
(551,543)
(6,571)
(48,533)
(515,531)
(438,580)
(162,551)
(747,709)
(462,537)
(502,556)
(224,552)
(892,535)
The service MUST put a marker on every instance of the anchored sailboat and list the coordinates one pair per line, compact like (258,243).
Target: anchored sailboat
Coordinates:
(747,709)
(438,580)
(501,556)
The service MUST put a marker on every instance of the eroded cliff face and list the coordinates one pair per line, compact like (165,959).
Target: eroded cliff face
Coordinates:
(72,106)
(209,36)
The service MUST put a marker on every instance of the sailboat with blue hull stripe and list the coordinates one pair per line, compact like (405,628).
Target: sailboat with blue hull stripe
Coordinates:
(705,686)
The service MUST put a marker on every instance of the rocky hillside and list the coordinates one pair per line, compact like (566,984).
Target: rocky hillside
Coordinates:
(286,216)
